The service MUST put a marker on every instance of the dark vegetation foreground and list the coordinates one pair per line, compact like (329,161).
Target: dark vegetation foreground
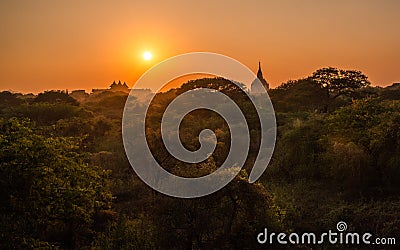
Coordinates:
(65,181)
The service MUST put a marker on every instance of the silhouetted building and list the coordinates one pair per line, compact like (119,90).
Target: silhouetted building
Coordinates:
(114,87)
(255,86)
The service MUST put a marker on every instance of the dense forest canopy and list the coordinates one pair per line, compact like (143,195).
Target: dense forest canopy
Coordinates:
(65,181)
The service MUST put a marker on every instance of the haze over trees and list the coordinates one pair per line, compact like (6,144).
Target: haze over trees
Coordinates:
(65,181)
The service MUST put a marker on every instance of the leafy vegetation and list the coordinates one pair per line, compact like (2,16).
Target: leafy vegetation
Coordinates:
(66,183)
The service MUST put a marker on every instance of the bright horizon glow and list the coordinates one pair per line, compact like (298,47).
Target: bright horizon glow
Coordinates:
(49,45)
(147,55)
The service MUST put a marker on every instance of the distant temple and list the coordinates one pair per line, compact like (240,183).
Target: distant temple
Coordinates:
(114,87)
(255,86)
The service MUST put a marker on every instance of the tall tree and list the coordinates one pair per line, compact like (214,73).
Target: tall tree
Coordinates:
(340,82)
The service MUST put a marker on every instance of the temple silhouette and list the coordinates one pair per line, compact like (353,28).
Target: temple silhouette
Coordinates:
(256,88)
(114,87)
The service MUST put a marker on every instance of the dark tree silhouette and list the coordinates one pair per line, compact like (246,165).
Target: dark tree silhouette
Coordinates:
(8,99)
(338,82)
(54,96)
(298,95)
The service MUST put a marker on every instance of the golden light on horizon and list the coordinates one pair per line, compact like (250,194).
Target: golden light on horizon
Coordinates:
(126,49)
(147,55)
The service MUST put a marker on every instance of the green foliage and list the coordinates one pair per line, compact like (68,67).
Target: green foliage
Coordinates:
(238,212)
(45,113)
(298,96)
(48,192)
(327,167)
(373,129)
(109,104)
(300,148)
(338,167)
(55,96)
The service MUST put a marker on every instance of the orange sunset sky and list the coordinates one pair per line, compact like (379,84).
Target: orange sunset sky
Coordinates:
(87,44)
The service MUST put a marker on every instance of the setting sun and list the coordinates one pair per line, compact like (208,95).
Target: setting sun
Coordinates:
(147,55)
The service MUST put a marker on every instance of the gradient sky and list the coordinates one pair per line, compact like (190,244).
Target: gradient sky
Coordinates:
(78,44)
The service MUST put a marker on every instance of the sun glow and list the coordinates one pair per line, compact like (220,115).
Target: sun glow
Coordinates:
(147,55)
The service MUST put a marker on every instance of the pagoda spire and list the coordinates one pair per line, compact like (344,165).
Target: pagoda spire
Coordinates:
(259,72)
(255,88)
